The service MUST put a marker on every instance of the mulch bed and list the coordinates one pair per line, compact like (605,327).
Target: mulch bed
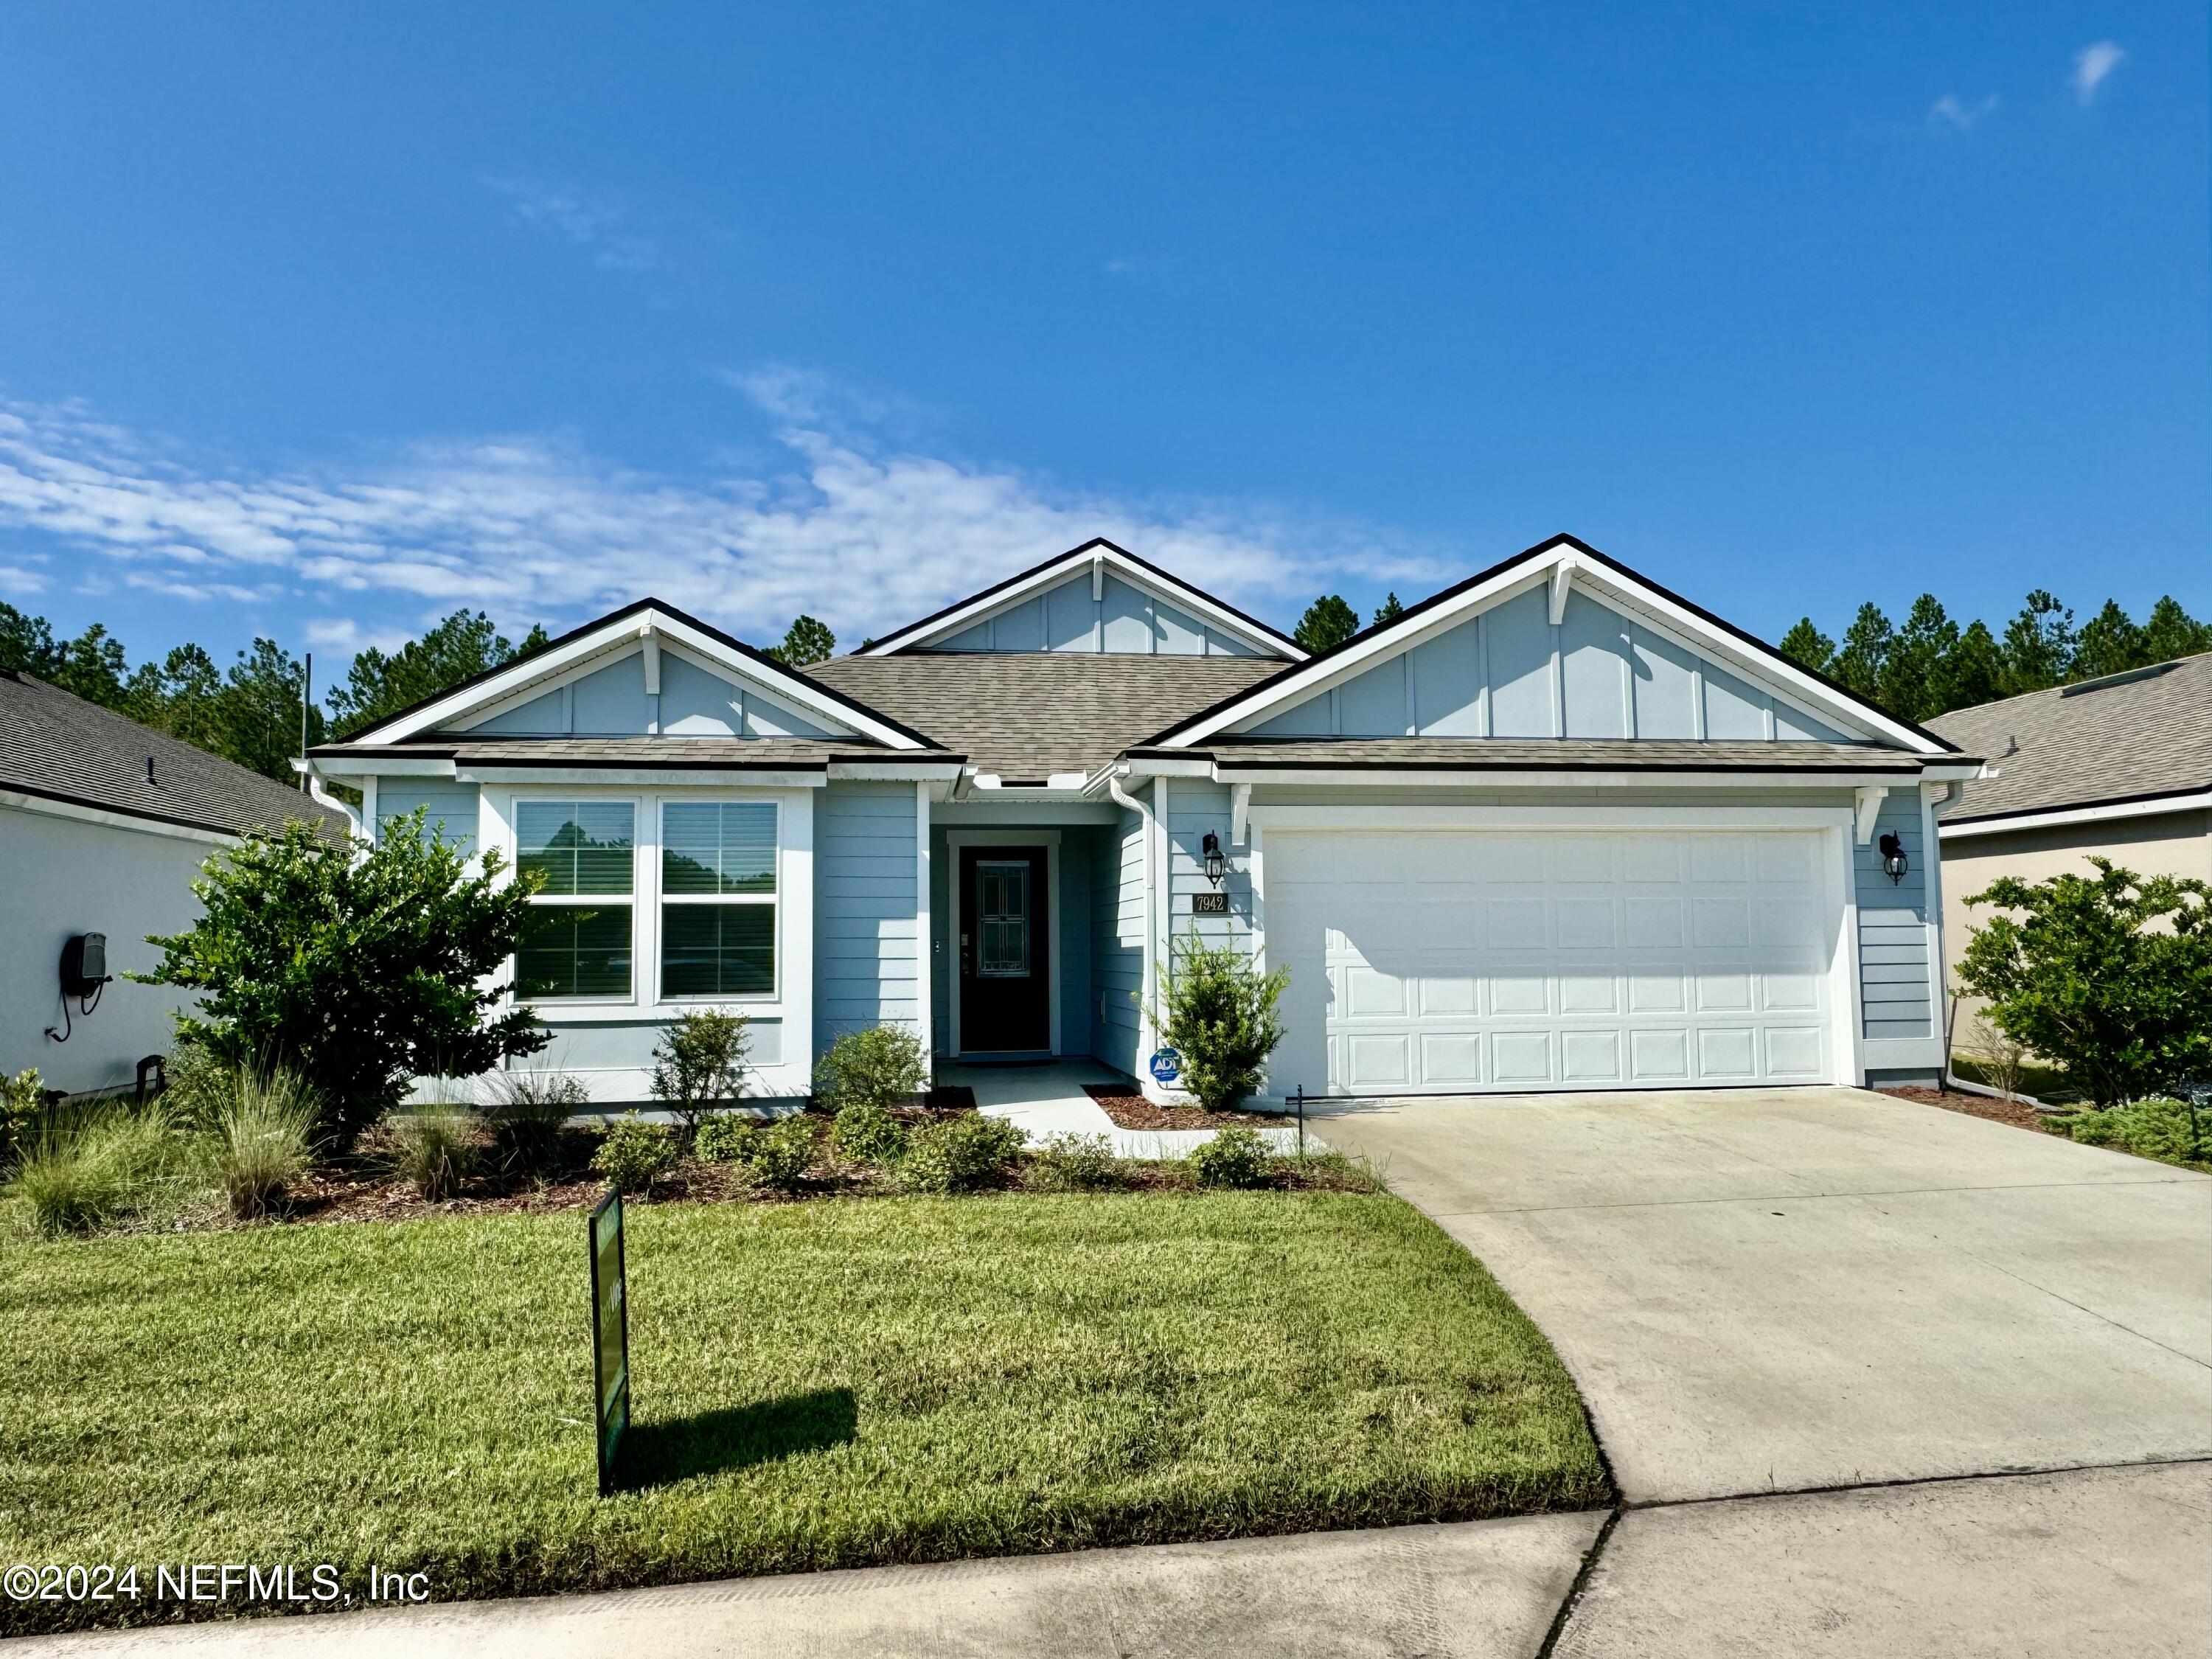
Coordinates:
(2017,1113)
(1131,1110)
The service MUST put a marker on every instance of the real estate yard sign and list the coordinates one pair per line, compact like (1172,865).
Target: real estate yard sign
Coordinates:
(610,1333)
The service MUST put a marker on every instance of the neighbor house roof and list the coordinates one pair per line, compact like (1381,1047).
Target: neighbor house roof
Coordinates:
(1028,717)
(1543,754)
(2127,738)
(59,747)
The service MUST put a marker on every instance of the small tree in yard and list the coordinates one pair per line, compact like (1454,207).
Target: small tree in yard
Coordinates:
(1219,1016)
(357,969)
(699,1063)
(2109,977)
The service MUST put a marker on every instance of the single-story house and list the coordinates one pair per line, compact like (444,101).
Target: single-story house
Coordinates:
(104,824)
(2120,768)
(1552,828)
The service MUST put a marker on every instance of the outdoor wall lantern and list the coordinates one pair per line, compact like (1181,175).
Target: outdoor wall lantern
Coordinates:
(1892,858)
(1217,867)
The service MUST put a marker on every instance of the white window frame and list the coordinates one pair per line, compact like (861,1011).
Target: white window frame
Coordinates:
(662,899)
(514,838)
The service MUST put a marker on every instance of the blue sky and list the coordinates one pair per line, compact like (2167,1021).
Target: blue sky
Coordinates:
(321,322)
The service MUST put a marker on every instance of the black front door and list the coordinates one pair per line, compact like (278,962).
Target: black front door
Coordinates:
(1006,958)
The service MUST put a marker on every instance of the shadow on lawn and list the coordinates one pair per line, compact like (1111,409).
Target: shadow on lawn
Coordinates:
(661,1453)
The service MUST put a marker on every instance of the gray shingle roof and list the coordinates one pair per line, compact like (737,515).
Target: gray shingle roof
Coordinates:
(2082,744)
(715,754)
(1536,754)
(1027,716)
(62,748)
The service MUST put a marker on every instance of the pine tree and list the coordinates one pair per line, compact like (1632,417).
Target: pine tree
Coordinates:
(2038,645)
(378,686)
(2110,643)
(1388,611)
(1866,643)
(1913,675)
(805,641)
(1974,672)
(1329,621)
(2171,632)
(1807,647)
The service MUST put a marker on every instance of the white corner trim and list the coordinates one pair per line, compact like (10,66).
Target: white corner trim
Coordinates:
(925,941)
(1868,803)
(2199,801)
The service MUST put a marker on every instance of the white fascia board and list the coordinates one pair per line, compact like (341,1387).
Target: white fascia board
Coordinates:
(1155,766)
(78,812)
(545,670)
(894,771)
(1293,819)
(1555,568)
(641,777)
(1092,558)
(2056,817)
(1382,778)
(363,766)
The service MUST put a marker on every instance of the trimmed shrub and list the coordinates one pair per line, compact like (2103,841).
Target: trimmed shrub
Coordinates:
(723,1139)
(635,1154)
(2171,1131)
(432,1150)
(84,1170)
(958,1155)
(1072,1164)
(699,1063)
(880,1066)
(865,1134)
(260,1130)
(1218,1014)
(779,1155)
(1235,1157)
(527,1114)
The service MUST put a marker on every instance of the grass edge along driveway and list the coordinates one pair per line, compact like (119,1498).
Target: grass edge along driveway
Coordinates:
(816,1386)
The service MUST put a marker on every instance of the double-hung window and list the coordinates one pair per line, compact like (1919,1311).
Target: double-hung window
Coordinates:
(717,899)
(578,943)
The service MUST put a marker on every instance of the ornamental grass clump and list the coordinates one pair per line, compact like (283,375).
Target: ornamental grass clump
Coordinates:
(93,1168)
(1219,1015)
(259,1137)
(527,1112)
(432,1150)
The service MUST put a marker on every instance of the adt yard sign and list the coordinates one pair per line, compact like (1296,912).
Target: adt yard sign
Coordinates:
(1166,1065)
(610,1334)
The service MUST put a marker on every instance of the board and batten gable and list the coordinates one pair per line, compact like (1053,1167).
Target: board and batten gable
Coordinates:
(1122,620)
(1508,672)
(612,699)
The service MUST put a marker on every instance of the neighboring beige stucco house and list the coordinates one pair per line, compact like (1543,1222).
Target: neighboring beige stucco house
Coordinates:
(2119,767)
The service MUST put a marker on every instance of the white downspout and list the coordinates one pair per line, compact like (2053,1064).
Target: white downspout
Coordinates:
(1145,987)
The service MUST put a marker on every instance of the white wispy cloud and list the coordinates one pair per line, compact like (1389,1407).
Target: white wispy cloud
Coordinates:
(1963,116)
(597,226)
(861,534)
(2091,65)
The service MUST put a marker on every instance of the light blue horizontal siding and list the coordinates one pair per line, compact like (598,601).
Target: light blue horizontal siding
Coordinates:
(866,962)
(1893,965)
(453,806)
(1117,942)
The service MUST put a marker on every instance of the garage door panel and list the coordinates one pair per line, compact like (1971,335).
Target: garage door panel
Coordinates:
(1588,960)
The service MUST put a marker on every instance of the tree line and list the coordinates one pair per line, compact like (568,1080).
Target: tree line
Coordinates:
(1929,666)
(250,713)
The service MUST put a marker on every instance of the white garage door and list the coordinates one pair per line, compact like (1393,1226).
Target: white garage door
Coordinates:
(1454,960)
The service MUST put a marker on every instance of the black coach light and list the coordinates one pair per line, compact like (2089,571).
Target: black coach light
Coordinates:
(1892,857)
(1217,867)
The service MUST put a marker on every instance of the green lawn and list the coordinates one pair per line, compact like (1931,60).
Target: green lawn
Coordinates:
(817,1385)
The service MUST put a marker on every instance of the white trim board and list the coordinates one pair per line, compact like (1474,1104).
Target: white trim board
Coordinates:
(2196,801)
(955,839)
(1097,556)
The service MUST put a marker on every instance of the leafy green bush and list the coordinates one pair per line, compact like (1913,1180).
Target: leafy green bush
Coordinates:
(2109,977)
(432,1150)
(1072,1164)
(958,1154)
(779,1155)
(89,1168)
(1218,1014)
(865,1132)
(2171,1131)
(21,1100)
(699,1063)
(357,969)
(880,1066)
(635,1154)
(723,1138)
(260,1137)
(527,1112)
(1235,1157)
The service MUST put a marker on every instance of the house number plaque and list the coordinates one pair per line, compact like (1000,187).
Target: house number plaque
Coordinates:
(1209,904)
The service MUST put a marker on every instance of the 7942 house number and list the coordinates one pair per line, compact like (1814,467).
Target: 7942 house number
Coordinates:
(1209,904)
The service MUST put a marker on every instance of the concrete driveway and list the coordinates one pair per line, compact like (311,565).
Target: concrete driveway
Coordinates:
(1826,1292)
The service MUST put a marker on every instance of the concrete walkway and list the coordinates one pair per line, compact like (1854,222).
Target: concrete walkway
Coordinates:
(1049,1100)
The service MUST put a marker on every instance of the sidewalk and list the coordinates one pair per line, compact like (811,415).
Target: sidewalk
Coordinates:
(1049,1100)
